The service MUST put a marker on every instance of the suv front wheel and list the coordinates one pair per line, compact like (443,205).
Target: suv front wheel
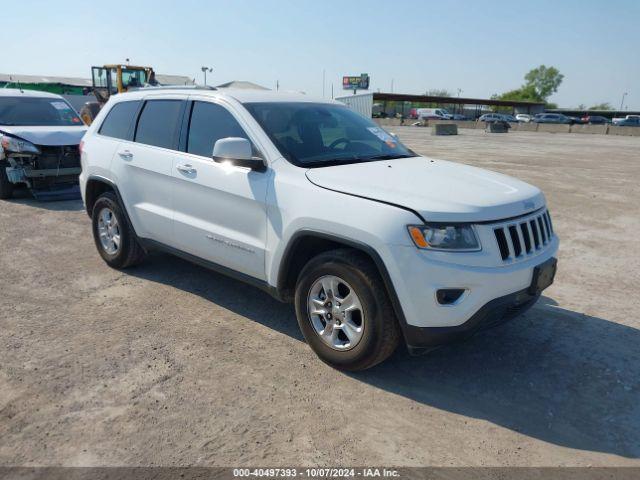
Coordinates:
(113,235)
(344,312)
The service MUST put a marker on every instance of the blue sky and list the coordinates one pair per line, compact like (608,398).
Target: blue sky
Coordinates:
(481,47)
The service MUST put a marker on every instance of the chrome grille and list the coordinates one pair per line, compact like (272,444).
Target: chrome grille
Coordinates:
(523,236)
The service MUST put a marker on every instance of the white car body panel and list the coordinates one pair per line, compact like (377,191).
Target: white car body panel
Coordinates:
(220,213)
(437,189)
(144,175)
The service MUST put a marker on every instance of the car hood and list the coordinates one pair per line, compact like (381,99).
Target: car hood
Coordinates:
(49,136)
(436,189)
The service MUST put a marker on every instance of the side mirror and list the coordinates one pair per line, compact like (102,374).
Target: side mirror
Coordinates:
(237,151)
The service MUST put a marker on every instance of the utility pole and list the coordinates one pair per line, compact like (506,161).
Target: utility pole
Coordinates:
(205,70)
(323,82)
(277,85)
(392,85)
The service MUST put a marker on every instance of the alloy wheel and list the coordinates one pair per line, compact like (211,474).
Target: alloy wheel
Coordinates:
(335,312)
(109,231)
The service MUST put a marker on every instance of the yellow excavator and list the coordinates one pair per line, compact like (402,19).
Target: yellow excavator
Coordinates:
(111,79)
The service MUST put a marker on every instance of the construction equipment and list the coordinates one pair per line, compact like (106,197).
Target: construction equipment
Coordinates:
(111,79)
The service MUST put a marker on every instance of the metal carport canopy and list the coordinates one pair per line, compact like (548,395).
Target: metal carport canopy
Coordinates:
(403,97)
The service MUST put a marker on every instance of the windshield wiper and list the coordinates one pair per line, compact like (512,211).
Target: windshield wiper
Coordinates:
(389,156)
(353,159)
(336,161)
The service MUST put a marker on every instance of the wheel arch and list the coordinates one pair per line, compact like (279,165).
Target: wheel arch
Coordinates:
(96,186)
(306,244)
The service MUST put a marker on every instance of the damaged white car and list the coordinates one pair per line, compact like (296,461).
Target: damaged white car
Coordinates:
(40,135)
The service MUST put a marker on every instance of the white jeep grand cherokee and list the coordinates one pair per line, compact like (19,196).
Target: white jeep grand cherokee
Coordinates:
(317,205)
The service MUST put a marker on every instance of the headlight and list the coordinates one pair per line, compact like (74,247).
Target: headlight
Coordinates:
(445,237)
(16,145)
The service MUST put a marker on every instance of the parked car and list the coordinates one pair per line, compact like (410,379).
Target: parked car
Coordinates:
(619,119)
(39,137)
(523,118)
(497,117)
(595,120)
(629,122)
(551,118)
(490,117)
(319,206)
(433,114)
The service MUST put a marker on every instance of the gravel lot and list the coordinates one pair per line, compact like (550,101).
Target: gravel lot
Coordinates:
(170,364)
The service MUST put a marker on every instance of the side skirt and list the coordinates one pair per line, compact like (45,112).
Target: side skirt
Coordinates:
(152,245)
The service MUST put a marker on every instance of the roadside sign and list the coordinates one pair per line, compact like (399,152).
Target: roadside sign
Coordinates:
(356,83)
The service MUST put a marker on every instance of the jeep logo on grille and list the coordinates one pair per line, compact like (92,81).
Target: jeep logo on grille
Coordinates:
(528,205)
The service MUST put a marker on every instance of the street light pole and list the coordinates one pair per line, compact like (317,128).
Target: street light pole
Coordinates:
(622,101)
(205,70)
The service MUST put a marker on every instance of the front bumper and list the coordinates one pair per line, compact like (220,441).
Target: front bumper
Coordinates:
(496,312)
(494,290)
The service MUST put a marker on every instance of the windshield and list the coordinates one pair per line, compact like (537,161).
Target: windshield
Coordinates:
(319,134)
(33,111)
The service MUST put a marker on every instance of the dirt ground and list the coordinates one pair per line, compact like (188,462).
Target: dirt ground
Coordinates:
(170,364)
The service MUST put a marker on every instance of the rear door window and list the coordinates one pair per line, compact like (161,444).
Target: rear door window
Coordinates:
(159,123)
(119,120)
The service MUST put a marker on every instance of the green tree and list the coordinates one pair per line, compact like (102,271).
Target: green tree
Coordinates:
(524,93)
(602,106)
(545,80)
(540,84)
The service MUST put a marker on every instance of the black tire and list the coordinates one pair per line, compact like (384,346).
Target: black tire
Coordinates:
(6,187)
(129,252)
(381,333)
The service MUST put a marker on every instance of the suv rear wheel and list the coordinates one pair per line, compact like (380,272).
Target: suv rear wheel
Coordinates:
(344,312)
(113,235)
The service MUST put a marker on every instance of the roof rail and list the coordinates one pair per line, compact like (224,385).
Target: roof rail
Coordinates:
(173,87)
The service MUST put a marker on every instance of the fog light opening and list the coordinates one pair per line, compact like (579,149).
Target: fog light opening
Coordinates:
(449,296)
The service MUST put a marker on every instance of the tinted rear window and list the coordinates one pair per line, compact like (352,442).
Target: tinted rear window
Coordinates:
(119,120)
(159,122)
